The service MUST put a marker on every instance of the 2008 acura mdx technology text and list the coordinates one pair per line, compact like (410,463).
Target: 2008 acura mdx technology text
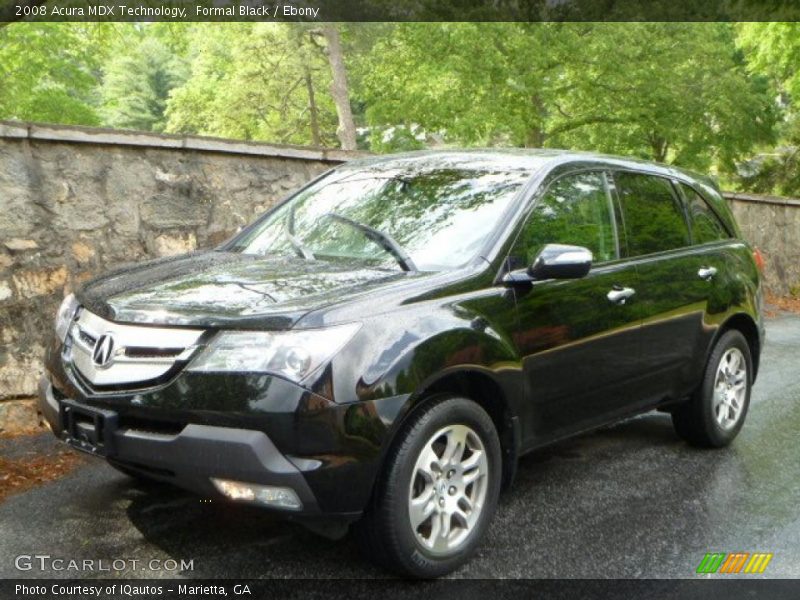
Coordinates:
(381,347)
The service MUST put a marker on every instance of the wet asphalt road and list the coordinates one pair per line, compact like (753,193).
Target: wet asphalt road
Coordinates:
(628,501)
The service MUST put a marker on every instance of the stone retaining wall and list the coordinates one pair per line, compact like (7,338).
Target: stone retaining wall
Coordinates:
(772,225)
(75,202)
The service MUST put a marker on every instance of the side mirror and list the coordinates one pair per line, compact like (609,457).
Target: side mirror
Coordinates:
(555,261)
(558,261)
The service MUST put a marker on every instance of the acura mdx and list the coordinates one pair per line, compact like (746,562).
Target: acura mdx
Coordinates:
(381,347)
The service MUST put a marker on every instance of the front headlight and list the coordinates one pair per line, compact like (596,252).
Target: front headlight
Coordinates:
(293,354)
(64,317)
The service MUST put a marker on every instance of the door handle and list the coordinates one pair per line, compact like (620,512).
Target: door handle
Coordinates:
(706,273)
(620,295)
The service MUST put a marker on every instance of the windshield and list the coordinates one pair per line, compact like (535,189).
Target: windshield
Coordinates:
(408,216)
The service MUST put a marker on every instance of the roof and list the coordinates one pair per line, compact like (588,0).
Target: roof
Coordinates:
(530,159)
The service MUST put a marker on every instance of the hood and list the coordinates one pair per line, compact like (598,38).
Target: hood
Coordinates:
(224,289)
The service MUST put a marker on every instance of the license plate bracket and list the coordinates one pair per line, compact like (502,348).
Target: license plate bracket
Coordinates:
(87,428)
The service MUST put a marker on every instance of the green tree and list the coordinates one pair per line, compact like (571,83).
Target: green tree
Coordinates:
(673,92)
(262,81)
(476,81)
(138,77)
(340,91)
(50,71)
(773,51)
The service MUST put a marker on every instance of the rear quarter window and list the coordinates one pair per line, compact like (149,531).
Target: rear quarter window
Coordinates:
(705,225)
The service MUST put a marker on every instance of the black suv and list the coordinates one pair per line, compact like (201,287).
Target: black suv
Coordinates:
(383,345)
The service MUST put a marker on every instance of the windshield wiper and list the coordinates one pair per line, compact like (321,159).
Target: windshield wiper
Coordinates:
(294,240)
(384,240)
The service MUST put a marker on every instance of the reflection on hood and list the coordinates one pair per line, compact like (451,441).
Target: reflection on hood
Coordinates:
(215,288)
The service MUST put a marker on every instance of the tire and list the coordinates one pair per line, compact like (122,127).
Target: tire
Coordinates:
(413,479)
(702,420)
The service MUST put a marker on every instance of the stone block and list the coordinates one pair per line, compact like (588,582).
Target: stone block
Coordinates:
(40,282)
(19,374)
(19,417)
(20,245)
(82,252)
(174,243)
(169,211)
(5,291)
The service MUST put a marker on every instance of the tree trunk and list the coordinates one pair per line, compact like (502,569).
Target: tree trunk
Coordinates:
(535,138)
(316,139)
(298,36)
(339,90)
(659,147)
(536,135)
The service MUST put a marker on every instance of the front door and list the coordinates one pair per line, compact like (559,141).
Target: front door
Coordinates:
(579,339)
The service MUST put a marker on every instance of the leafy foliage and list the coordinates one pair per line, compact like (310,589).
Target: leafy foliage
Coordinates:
(665,91)
(140,73)
(773,50)
(701,95)
(255,81)
(49,72)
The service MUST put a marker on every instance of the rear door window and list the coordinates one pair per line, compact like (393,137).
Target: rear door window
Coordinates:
(706,226)
(654,218)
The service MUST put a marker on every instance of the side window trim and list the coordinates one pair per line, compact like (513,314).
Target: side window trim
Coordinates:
(619,217)
(612,209)
(677,195)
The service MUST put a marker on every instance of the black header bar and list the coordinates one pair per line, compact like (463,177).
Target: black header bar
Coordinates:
(397,10)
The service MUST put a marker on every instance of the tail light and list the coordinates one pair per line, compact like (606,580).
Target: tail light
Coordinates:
(759,258)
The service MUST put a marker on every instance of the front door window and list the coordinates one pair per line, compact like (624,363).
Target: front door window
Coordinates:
(575,210)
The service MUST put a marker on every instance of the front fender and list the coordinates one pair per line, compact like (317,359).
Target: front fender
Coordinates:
(423,347)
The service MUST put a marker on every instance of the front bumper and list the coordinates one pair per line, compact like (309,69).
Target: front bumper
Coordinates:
(261,432)
(188,459)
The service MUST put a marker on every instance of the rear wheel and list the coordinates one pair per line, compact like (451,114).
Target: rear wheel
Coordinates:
(438,492)
(716,411)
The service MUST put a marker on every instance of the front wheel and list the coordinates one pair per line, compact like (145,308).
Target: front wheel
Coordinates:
(715,413)
(438,491)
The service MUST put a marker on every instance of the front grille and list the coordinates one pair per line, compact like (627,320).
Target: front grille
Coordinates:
(113,356)
(153,352)
(125,387)
(86,338)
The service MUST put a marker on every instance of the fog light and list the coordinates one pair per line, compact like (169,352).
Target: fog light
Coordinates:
(279,497)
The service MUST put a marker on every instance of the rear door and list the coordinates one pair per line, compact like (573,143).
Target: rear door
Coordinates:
(716,268)
(579,347)
(675,279)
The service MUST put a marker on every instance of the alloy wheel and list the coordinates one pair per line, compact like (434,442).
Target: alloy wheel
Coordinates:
(730,388)
(448,489)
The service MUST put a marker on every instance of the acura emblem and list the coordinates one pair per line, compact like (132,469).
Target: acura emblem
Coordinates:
(103,350)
